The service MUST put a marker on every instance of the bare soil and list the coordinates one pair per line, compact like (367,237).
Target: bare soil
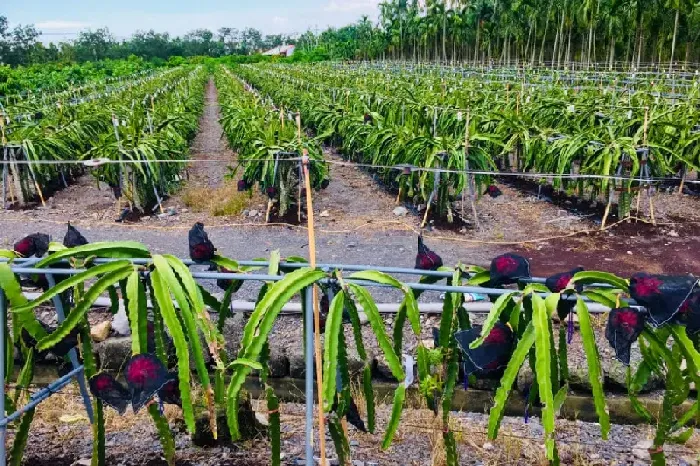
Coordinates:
(61,436)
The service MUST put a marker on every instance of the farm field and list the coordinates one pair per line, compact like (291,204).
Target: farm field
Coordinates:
(561,168)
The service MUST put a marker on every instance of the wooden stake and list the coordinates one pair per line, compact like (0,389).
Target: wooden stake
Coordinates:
(646,124)
(469,177)
(607,210)
(317,314)
(38,190)
(427,210)
(680,188)
(300,181)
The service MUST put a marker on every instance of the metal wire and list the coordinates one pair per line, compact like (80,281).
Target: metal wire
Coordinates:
(94,163)
(357,91)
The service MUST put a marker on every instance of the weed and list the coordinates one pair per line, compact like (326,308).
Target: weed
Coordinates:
(224,200)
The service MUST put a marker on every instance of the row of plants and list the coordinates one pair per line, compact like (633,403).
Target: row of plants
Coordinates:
(153,117)
(55,79)
(153,128)
(550,129)
(664,80)
(367,134)
(36,106)
(519,329)
(268,143)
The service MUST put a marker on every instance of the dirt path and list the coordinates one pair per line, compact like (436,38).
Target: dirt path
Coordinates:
(209,144)
(353,200)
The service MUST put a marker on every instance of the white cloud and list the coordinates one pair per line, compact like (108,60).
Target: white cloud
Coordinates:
(347,6)
(280,20)
(59,24)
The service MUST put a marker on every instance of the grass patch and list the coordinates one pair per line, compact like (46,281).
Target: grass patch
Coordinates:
(221,201)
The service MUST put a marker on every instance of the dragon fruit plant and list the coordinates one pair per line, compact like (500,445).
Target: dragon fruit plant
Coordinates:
(519,327)
(264,138)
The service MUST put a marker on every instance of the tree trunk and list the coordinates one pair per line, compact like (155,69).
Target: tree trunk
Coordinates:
(594,54)
(527,44)
(673,44)
(546,28)
(444,34)
(436,56)
(639,47)
(561,40)
(568,47)
(612,51)
(478,33)
(627,52)
(554,48)
(590,43)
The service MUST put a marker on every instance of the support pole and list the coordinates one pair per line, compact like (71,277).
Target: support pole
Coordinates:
(470,177)
(72,354)
(309,375)
(436,185)
(316,310)
(31,173)
(3,329)
(115,124)
(4,177)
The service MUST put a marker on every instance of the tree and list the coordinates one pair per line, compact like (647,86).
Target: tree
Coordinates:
(251,41)
(17,46)
(94,45)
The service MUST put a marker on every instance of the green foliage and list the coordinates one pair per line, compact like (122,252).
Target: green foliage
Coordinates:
(274,428)
(257,329)
(397,408)
(20,442)
(377,324)
(330,355)
(166,436)
(543,369)
(527,339)
(165,278)
(161,291)
(263,139)
(595,372)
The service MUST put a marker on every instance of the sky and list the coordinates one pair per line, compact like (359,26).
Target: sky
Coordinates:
(60,20)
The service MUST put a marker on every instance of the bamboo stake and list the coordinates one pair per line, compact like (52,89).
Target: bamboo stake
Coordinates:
(317,315)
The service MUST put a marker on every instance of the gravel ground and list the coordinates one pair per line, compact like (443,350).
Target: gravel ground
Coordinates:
(132,440)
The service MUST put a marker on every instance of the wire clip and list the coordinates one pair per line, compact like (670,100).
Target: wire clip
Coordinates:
(96,162)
